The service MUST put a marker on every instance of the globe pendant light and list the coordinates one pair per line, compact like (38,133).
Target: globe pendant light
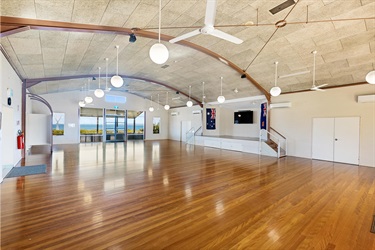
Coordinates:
(116,80)
(81,104)
(221,98)
(159,53)
(166,107)
(189,103)
(370,77)
(151,108)
(275,91)
(88,99)
(99,92)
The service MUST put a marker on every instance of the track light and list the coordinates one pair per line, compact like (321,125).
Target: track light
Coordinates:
(132,38)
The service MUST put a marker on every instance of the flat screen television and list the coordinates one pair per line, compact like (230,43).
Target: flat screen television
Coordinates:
(243,117)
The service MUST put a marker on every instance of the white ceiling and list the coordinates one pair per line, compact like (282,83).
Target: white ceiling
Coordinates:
(346,49)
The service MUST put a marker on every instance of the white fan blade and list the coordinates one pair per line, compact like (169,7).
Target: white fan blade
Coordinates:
(322,85)
(184,36)
(209,19)
(317,89)
(226,36)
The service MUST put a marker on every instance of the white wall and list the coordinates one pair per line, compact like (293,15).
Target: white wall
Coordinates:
(185,114)
(296,122)
(38,127)
(225,123)
(68,103)
(242,130)
(9,79)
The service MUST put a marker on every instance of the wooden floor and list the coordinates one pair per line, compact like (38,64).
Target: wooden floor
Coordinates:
(166,195)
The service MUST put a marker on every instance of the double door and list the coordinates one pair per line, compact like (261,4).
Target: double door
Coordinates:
(115,128)
(336,139)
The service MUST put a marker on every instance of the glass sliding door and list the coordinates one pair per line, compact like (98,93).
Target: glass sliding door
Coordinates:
(115,125)
(135,125)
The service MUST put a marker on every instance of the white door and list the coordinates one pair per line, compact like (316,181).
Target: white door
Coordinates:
(347,140)
(336,139)
(323,138)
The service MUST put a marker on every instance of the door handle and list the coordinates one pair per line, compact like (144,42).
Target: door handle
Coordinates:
(336,139)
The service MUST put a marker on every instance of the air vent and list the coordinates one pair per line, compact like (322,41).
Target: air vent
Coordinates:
(165,66)
(282,6)
(280,105)
(366,98)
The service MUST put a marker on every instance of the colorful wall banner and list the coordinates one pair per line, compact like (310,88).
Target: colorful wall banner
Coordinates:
(263,116)
(211,118)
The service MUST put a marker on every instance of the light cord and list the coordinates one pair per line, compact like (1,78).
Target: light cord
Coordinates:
(159,19)
(276,63)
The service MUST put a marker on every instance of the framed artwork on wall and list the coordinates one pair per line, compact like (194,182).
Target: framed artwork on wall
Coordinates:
(58,123)
(156,125)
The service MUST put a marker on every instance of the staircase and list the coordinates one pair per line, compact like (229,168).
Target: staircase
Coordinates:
(275,146)
(273,143)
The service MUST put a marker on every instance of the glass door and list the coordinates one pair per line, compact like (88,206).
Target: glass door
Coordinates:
(115,125)
(136,125)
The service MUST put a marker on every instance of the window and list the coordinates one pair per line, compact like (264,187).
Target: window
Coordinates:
(91,121)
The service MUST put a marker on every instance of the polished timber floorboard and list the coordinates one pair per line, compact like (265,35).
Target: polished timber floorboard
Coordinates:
(166,195)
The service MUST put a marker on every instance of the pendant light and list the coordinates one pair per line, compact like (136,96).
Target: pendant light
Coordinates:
(166,107)
(159,52)
(221,98)
(81,103)
(99,92)
(370,77)
(189,103)
(88,99)
(151,108)
(116,80)
(275,91)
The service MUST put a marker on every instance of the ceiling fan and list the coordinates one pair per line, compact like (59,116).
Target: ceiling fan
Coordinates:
(208,28)
(314,87)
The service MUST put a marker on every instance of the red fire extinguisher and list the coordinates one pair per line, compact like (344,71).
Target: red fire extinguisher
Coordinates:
(20,140)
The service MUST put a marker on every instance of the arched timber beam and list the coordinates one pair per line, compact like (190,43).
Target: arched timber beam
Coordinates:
(35,81)
(77,27)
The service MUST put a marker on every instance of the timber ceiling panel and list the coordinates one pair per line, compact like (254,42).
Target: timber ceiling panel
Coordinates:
(346,49)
